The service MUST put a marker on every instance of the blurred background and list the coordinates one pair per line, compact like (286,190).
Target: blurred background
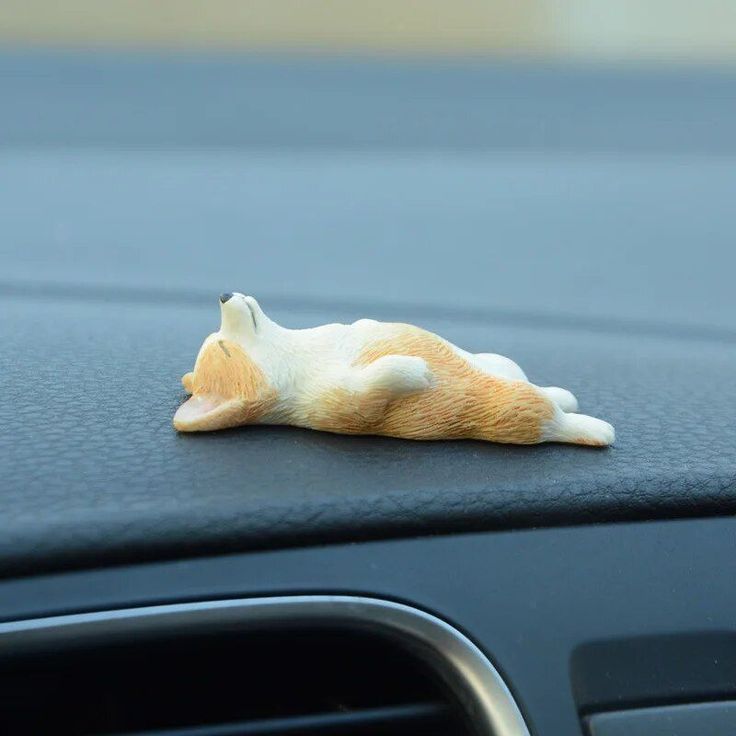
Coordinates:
(523,163)
(662,30)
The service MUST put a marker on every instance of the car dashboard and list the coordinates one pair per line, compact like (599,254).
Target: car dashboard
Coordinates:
(283,581)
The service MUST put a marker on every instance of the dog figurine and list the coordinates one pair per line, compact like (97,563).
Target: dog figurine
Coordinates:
(370,378)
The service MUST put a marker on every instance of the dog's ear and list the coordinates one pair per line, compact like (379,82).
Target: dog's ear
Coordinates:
(187,380)
(205,412)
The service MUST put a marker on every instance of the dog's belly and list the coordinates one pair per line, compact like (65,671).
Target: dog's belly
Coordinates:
(335,348)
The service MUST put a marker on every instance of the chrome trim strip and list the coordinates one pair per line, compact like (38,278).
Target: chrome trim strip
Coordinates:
(461,663)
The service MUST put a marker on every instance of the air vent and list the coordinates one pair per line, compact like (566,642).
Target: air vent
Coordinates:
(315,667)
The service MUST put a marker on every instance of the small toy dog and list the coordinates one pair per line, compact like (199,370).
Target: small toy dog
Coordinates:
(370,378)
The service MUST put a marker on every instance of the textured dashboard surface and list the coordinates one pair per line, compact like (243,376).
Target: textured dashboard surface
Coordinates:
(611,275)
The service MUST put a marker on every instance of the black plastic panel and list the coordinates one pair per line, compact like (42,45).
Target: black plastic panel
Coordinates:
(532,600)
(702,719)
(609,675)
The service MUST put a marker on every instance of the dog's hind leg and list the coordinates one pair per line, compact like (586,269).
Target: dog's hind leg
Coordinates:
(503,367)
(562,397)
(578,429)
(497,365)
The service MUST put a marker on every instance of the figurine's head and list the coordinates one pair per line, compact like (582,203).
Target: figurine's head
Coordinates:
(228,388)
(243,320)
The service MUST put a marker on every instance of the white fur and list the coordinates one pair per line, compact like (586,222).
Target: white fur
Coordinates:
(396,373)
(576,427)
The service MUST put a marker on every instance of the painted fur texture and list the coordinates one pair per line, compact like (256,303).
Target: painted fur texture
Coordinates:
(370,378)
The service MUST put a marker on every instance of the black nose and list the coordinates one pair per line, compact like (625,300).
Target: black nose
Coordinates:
(224,297)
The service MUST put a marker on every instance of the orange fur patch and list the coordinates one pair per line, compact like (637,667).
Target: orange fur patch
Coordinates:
(187,381)
(225,371)
(464,402)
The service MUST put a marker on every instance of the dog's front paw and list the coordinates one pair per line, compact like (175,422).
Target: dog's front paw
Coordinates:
(398,373)
(408,372)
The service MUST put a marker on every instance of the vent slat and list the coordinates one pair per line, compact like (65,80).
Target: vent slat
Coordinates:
(409,718)
(266,681)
